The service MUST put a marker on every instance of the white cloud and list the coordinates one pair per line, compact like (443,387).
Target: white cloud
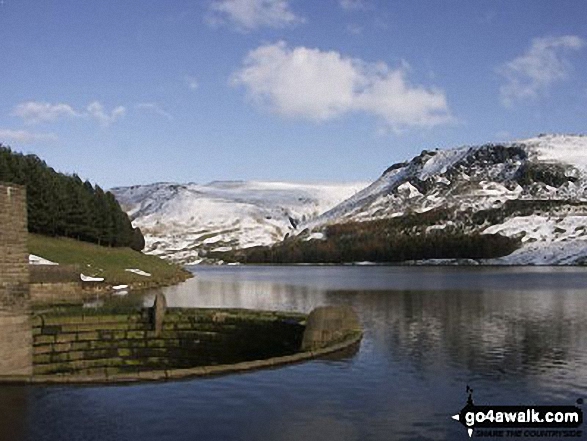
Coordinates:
(96,111)
(319,85)
(33,112)
(192,82)
(25,137)
(354,5)
(247,15)
(531,74)
(152,107)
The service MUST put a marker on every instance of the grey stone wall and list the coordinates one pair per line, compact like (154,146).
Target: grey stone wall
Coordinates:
(15,325)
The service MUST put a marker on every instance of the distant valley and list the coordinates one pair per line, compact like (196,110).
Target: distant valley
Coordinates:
(533,192)
(184,222)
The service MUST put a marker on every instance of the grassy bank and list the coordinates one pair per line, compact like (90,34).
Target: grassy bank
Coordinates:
(110,263)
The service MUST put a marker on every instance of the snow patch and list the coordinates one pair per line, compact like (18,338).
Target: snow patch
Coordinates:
(317,235)
(36,260)
(408,190)
(138,271)
(85,278)
(441,161)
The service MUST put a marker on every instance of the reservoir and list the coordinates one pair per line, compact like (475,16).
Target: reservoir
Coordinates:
(515,335)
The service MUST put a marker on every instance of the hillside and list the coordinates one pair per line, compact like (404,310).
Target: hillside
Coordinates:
(65,206)
(109,263)
(533,190)
(184,222)
(522,202)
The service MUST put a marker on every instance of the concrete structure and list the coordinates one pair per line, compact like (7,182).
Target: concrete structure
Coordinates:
(15,324)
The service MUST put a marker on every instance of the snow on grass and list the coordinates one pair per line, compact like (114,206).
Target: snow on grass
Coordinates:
(85,278)
(36,260)
(138,271)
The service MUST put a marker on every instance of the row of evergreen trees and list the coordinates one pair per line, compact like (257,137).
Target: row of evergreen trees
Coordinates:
(378,241)
(63,205)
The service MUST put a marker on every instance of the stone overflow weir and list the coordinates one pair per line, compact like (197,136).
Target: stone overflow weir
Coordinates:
(77,345)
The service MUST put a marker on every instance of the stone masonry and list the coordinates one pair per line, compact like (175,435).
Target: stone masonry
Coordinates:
(327,324)
(15,324)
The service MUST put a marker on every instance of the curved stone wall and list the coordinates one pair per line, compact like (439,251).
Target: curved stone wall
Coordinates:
(108,345)
(98,347)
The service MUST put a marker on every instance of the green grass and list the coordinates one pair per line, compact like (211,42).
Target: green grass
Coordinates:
(110,263)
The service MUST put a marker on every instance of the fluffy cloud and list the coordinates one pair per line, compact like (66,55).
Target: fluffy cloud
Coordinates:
(96,111)
(33,112)
(320,85)
(25,137)
(247,15)
(531,74)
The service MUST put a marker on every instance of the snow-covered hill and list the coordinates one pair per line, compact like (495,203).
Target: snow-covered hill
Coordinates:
(184,221)
(545,176)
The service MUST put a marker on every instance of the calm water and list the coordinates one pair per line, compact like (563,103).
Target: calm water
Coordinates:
(517,336)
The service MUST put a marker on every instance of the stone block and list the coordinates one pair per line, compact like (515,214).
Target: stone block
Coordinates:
(44,339)
(87,336)
(328,324)
(42,350)
(122,352)
(67,338)
(135,334)
(61,347)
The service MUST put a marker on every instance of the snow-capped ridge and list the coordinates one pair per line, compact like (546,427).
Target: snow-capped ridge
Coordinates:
(183,222)
(469,179)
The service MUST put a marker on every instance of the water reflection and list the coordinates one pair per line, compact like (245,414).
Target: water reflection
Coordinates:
(532,332)
(515,335)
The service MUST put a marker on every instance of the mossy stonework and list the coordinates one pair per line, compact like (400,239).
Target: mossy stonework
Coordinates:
(128,343)
(70,347)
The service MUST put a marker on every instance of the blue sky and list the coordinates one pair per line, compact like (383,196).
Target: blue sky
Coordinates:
(141,91)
